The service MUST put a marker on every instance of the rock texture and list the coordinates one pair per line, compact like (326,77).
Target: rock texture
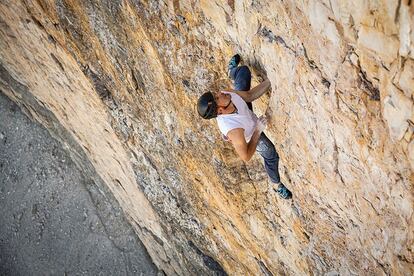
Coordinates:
(117,82)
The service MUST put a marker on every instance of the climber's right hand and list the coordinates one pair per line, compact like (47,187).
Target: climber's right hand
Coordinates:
(261,123)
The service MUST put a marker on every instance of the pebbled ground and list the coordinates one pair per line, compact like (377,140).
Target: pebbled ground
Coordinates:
(53,219)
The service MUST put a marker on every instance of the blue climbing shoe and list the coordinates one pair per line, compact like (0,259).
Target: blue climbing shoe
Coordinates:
(234,61)
(283,191)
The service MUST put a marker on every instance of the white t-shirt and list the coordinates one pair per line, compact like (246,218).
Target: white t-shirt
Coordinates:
(244,118)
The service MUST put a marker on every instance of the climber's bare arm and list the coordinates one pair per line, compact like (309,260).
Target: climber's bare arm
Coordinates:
(246,150)
(243,149)
(254,93)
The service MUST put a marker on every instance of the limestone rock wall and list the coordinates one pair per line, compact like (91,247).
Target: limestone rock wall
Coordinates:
(117,82)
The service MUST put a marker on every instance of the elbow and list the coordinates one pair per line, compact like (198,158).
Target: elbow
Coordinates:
(246,96)
(248,99)
(245,158)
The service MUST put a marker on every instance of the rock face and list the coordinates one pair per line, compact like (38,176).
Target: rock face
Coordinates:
(117,82)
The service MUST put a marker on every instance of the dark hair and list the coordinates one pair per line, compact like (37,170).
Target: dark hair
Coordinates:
(207,106)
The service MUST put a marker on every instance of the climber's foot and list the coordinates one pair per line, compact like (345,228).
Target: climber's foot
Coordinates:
(283,191)
(234,61)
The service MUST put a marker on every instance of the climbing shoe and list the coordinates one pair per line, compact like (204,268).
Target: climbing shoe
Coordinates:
(283,191)
(234,61)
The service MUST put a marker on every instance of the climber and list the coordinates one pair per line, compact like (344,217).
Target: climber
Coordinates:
(237,122)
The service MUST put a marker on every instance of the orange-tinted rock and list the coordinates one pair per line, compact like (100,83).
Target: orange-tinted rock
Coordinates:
(117,83)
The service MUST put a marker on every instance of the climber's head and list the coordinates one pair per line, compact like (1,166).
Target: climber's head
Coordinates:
(210,105)
(207,106)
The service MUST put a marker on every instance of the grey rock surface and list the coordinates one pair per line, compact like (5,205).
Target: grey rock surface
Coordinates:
(54,219)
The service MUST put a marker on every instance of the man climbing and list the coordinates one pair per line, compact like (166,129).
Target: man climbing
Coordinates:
(237,122)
